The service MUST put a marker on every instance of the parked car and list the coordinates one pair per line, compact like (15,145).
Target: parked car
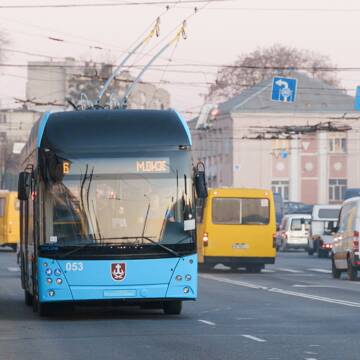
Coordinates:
(345,250)
(323,221)
(293,233)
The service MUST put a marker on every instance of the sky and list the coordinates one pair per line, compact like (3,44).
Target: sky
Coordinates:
(217,33)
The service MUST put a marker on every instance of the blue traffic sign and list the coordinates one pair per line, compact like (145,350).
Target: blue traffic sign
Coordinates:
(283,89)
(357,99)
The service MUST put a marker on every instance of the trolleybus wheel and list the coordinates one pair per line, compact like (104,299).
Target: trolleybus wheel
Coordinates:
(28,298)
(172,307)
(46,309)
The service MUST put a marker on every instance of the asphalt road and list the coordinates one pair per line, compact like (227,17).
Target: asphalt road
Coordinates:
(293,310)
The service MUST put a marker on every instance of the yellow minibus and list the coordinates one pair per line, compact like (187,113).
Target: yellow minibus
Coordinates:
(9,219)
(237,227)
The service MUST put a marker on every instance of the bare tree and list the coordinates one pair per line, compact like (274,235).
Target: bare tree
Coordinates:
(252,68)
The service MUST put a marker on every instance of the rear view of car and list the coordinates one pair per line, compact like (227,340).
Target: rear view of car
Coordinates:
(324,219)
(293,233)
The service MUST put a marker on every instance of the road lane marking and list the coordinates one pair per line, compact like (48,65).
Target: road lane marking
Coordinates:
(253,338)
(244,318)
(232,282)
(207,322)
(289,270)
(267,271)
(282,291)
(13,269)
(321,271)
(315,286)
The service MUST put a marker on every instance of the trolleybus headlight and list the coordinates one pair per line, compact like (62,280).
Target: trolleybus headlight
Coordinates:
(187,277)
(57,272)
(186,290)
(49,280)
(59,281)
(51,293)
(48,271)
(178,277)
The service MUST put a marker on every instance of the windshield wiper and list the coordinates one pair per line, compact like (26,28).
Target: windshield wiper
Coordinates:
(92,245)
(148,238)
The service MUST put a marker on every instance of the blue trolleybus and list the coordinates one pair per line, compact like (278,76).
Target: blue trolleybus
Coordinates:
(107,210)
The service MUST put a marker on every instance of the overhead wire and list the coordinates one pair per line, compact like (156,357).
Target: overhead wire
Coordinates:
(109,4)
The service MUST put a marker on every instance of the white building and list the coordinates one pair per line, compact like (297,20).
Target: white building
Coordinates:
(255,142)
(17,123)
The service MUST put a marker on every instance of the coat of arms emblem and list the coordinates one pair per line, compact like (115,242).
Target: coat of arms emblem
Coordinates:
(118,271)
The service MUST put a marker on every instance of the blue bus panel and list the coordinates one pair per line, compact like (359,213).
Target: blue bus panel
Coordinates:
(77,280)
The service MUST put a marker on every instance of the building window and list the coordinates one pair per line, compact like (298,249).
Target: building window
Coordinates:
(337,188)
(338,144)
(282,187)
(2,119)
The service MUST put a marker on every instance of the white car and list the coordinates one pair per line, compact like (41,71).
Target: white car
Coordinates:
(293,232)
(345,254)
(324,220)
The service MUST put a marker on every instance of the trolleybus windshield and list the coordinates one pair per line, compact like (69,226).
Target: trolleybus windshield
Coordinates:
(120,201)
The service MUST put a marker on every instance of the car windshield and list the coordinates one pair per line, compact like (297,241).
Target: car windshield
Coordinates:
(120,200)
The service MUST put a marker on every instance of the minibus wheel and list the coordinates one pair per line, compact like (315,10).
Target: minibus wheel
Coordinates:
(254,268)
(205,267)
(172,307)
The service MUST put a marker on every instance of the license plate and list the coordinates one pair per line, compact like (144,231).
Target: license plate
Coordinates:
(240,246)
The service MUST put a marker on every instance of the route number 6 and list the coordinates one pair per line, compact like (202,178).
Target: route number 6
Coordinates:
(74,266)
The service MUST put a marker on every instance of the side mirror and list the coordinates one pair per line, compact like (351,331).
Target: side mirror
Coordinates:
(24,185)
(52,166)
(200,181)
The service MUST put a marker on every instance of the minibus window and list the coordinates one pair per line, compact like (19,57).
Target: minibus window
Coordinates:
(2,207)
(236,211)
